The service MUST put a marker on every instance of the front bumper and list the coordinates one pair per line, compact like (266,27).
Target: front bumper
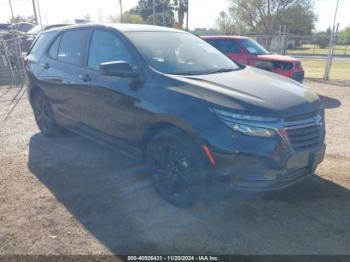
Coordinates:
(264,173)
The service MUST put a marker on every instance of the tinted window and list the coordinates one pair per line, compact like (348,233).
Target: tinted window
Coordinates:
(106,47)
(253,47)
(40,44)
(72,46)
(226,46)
(54,48)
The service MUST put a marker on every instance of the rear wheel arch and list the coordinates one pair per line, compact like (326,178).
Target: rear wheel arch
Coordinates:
(33,90)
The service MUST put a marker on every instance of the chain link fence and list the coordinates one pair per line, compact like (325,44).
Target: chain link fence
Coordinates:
(312,50)
(13,47)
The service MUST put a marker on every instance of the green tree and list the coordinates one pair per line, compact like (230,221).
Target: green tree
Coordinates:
(132,18)
(127,18)
(144,8)
(227,24)
(265,16)
(162,19)
(19,19)
(181,6)
(344,36)
(300,19)
(321,39)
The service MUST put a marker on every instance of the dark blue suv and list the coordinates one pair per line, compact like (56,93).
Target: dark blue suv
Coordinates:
(195,115)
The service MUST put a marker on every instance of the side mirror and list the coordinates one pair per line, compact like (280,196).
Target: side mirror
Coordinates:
(117,68)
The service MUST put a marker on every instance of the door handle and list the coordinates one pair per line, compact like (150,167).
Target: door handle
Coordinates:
(84,77)
(45,65)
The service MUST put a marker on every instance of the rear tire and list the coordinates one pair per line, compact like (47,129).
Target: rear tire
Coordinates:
(177,167)
(43,114)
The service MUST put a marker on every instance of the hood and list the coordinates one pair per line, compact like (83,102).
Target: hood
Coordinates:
(275,57)
(252,91)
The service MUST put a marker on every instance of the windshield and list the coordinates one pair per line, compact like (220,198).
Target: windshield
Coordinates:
(253,47)
(180,53)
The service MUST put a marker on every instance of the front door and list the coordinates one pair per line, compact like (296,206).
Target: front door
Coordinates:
(107,102)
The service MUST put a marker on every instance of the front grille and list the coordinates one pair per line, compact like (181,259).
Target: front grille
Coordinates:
(282,65)
(301,117)
(305,134)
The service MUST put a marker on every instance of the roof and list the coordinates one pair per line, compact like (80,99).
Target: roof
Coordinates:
(224,37)
(122,27)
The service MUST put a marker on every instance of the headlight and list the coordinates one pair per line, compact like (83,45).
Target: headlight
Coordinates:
(246,124)
(254,131)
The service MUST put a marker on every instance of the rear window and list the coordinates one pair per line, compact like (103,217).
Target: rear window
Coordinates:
(72,46)
(226,46)
(40,44)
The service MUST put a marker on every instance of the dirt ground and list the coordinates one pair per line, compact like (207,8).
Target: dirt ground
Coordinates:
(68,195)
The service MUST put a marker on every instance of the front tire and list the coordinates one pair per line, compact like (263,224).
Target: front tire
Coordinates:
(176,166)
(43,114)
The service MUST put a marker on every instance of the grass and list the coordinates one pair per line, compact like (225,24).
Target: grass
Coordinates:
(316,50)
(314,68)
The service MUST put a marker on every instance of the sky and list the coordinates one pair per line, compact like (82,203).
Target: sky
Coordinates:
(203,13)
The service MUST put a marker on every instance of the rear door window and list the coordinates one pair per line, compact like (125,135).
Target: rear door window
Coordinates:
(71,48)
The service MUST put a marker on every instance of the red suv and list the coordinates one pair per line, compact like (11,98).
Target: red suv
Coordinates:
(246,51)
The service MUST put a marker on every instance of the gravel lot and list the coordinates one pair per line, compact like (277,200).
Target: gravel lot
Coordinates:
(71,196)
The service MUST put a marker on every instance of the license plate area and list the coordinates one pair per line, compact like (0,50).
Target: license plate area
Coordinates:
(297,161)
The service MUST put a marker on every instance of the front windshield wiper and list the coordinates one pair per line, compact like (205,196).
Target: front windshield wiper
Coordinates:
(224,70)
(206,72)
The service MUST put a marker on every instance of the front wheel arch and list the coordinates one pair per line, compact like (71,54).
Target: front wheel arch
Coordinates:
(158,127)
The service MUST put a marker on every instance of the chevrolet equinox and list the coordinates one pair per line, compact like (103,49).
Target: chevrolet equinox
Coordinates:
(195,115)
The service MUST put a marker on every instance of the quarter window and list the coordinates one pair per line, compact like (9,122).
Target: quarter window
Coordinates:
(41,43)
(54,47)
(72,46)
(106,47)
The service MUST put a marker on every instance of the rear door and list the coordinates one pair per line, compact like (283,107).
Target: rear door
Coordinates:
(60,74)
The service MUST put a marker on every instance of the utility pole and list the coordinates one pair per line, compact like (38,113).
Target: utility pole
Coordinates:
(34,11)
(13,16)
(154,12)
(284,39)
(331,53)
(121,11)
(187,15)
(39,14)
(331,46)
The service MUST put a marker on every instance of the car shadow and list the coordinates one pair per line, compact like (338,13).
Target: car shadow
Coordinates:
(329,102)
(112,197)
